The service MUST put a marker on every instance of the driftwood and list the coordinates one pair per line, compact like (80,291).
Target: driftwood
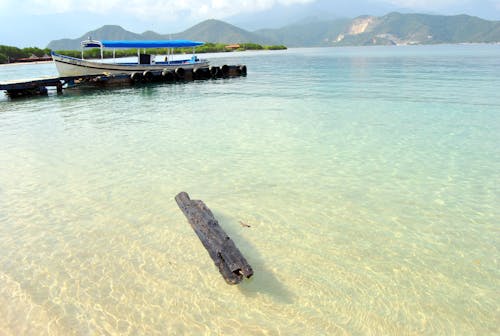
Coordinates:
(228,259)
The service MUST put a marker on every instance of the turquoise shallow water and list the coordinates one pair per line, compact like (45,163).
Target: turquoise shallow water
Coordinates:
(369,176)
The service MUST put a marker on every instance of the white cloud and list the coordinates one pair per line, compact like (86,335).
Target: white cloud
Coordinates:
(196,10)
(145,8)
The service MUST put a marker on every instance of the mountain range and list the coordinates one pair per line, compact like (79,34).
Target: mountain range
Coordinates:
(391,29)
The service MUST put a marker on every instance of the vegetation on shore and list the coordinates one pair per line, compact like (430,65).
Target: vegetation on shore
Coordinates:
(206,48)
(10,54)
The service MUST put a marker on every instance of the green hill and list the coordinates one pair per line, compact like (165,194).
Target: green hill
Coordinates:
(210,31)
(397,28)
(310,34)
(439,29)
(108,32)
(216,31)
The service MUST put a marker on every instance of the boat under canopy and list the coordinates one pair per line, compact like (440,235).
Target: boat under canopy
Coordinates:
(70,66)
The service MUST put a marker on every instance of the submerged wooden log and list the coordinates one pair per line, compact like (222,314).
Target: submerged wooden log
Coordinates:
(228,259)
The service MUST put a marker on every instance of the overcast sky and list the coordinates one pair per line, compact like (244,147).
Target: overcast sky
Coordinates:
(37,22)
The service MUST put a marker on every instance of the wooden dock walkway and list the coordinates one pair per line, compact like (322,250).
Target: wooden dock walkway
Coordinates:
(31,86)
(38,86)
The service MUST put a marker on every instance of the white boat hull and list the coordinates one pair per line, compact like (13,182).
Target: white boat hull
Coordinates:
(70,66)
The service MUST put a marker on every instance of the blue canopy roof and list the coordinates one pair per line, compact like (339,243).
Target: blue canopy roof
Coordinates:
(151,44)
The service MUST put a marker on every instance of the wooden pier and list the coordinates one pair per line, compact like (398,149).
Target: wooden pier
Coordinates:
(39,86)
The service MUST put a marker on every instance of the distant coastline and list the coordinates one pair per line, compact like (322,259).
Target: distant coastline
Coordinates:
(391,29)
(9,54)
(24,63)
(14,55)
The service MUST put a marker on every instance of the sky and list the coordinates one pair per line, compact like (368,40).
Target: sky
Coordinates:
(25,23)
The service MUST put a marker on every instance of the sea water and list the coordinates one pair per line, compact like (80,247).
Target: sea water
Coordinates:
(361,184)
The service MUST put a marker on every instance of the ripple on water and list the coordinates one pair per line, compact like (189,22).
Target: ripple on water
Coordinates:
(368,190)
